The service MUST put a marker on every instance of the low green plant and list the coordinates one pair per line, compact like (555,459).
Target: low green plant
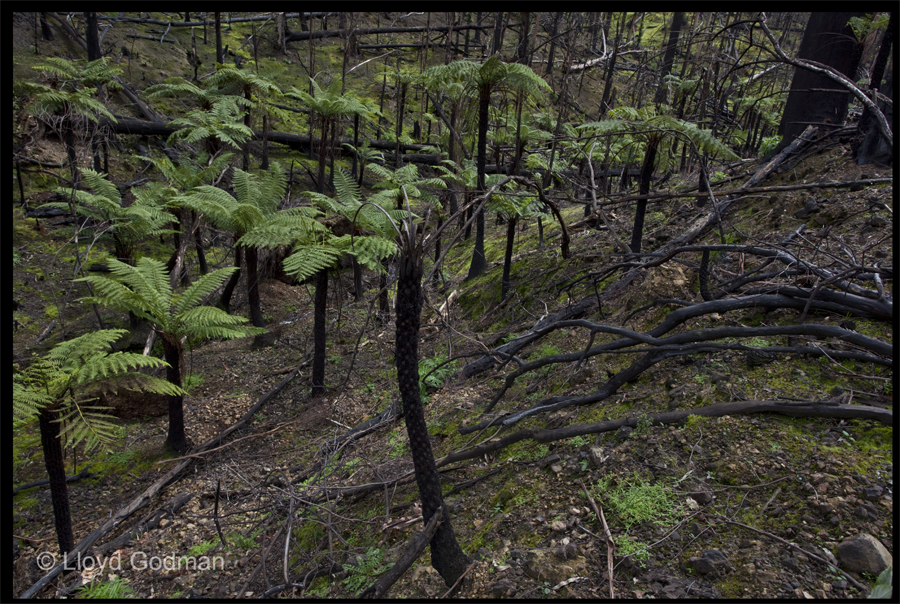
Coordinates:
(644,423)
(192,380)
(398,443)
(635,500)
(626,546)
(369,567)
(883,588)
(121,457)
(201,548)
(117,589)
(578,442)
(433,373)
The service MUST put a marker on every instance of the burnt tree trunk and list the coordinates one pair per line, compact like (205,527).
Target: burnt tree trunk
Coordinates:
(56,472)
(447,556)
(829,40)
(320,304)
(220,56)
(646,172)
(225,300)
(669,57)
(479,263)
(174,352)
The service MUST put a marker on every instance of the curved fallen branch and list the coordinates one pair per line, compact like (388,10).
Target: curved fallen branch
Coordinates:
(792,408)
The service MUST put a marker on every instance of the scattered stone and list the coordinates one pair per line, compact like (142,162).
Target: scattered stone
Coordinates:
(503,588)
(872,493)
(544,564)
(702,497)
(597,456)
(864,553)
(712,561)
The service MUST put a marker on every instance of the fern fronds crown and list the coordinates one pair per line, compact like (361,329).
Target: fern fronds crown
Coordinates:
(73,373)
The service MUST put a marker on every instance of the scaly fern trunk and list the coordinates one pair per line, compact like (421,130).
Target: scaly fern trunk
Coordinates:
(225,300)
(447,556)
(56,472)
(320,304)
(173,351)
(256,316)
(646,172)
(479,264)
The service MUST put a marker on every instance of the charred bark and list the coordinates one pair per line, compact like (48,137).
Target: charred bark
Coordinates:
(56,472)
(174,353)
(446,555)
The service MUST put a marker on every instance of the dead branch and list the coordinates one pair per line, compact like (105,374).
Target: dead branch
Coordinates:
(148,523)
(791,408)
(39,483)
(831,74)
(414,549)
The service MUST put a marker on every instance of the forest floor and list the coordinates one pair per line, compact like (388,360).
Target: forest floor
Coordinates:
(670,494)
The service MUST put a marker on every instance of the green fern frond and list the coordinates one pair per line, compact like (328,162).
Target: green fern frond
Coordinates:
(201,288)
(307,260)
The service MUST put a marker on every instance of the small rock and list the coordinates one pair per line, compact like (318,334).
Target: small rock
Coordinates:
(558,525)
(503,587)
(702,497)
(710,562)
(864,553)
(872,493)
(792,564)
(597,456)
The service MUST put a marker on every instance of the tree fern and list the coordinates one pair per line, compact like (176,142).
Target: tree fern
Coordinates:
(144,289)
(71,375)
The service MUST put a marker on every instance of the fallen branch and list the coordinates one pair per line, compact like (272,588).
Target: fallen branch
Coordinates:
(150,522)
(413,550)
(792,408)
(39,483)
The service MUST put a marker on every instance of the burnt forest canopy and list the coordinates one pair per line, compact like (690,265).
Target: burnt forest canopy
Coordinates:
(458,304)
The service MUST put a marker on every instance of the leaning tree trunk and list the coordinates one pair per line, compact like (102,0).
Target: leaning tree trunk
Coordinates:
(225,300)
(646,172)
(479,263)
(56,472)
(318,364)
(447,556)
(174,352)
(256,316)
(507,257)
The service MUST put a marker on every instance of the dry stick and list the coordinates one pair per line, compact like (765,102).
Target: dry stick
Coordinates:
(801,550)
(771,499)
(598,208)
(461,577)
(610,544)
(259,566)
(415,548)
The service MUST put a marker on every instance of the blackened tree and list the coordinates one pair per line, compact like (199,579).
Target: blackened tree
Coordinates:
(828,40)
(447,557)
(60,387)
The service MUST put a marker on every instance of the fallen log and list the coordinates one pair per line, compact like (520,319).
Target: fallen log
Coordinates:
(39,483)
(300,142)
(300,36)
(791,408)
(148,523)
